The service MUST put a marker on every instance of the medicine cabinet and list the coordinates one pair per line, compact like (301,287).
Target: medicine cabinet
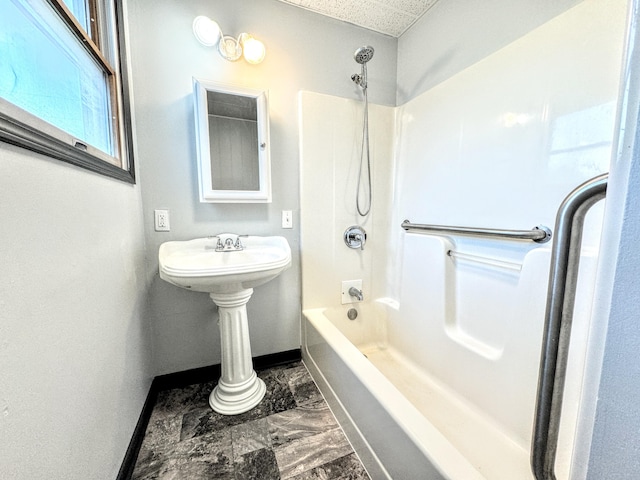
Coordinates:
(232,134)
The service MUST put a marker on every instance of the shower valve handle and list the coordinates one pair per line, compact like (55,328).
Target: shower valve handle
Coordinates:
(355,237)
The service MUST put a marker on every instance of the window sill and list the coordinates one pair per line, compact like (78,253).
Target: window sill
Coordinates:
(40,141)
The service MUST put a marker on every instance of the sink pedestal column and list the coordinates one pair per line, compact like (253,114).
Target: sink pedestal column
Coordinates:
(239,388)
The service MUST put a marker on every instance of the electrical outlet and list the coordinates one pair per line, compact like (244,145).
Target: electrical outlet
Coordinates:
(346,285)
(162,220)
(287,219)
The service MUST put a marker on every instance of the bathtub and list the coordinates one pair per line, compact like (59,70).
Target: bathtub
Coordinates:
(387,406)
(419,398)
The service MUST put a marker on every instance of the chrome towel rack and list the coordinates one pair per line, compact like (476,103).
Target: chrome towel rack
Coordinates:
(561,295)
(539,234)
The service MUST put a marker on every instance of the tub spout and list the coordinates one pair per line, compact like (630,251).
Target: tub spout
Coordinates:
(354,292)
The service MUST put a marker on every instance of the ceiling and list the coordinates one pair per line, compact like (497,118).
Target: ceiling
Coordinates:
(391,17)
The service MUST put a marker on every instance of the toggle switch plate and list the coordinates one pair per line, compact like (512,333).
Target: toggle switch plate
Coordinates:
(346,285)
(287,219)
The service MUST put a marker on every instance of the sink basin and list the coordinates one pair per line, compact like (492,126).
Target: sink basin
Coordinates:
(196,265)
(218,266)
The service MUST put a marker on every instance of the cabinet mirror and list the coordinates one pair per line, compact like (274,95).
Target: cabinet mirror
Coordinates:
(232,134)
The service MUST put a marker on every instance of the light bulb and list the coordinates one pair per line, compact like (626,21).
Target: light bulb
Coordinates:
(253,50)
(206,30)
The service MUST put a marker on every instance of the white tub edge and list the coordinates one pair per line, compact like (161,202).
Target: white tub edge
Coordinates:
(372,463)
(440,452)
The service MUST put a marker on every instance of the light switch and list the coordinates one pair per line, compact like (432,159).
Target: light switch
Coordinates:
(287,219)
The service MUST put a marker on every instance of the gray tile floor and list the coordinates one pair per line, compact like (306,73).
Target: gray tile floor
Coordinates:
(291,434)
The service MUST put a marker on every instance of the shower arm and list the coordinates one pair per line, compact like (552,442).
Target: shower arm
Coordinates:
(561,293)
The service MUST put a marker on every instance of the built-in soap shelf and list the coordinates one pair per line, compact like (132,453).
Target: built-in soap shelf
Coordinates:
(494,262)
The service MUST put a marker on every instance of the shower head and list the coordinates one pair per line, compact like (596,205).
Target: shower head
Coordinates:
(363,54)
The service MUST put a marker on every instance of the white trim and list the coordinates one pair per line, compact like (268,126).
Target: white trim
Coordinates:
(207,193)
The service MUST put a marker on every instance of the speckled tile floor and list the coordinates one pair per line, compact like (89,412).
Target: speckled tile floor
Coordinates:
(291,434)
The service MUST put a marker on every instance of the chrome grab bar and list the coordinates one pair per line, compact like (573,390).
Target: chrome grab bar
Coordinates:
(539,234)
(563,276)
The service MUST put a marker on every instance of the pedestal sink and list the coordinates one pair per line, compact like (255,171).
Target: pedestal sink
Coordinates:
(228,268)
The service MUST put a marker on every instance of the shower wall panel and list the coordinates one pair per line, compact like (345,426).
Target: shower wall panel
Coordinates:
(331,142)
(499,145)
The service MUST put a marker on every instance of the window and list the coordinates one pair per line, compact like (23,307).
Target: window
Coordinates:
(63,84)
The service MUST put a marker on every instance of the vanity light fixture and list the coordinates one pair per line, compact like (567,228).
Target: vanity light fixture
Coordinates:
(209,34)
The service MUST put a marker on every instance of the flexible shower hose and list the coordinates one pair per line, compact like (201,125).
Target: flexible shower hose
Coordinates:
(365,149)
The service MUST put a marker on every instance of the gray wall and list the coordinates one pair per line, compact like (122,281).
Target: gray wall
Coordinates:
(304,52)
(455,34)
(75,364)
(614,450)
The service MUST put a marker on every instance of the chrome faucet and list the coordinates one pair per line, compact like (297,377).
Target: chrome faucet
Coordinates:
(354,292)
(228,245)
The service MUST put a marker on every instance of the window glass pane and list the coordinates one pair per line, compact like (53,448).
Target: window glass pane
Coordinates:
(45,70)
(79,10)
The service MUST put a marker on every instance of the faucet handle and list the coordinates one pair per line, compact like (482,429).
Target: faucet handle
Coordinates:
(219,245)
(355,237)
(238,245)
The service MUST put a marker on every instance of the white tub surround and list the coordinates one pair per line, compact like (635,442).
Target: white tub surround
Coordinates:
(499,145)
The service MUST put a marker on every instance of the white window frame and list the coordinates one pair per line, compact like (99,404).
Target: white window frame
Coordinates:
(106,44)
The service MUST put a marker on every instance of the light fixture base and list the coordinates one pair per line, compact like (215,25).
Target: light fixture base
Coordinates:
(230,48)
(206,31)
